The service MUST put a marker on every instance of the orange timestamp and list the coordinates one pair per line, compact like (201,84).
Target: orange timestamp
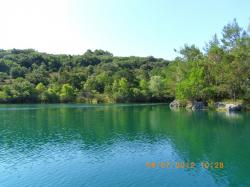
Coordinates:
(185,165)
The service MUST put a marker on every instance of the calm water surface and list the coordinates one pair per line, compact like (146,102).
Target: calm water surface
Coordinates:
(110,145)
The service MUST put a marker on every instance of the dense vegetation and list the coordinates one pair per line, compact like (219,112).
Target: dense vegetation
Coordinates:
(220,71)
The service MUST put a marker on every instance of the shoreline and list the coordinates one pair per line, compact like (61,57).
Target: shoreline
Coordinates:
(244,107)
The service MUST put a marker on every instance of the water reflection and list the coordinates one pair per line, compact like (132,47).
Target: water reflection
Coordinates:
(120,138)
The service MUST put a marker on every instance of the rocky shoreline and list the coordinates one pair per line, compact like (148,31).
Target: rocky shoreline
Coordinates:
(199,105)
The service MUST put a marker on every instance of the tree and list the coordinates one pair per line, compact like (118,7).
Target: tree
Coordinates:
(3,76)
(190,53)
(17,71)
(120,90)
(214,52)
(231,33)
(38,75)
(54,93)
(42,92)
(67,93)
(192,87)
(220,72)
(20,90)
(3,96)
(3,67)
(175,72)
(156,86)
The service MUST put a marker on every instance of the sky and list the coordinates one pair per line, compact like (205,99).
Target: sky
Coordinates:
(123,27)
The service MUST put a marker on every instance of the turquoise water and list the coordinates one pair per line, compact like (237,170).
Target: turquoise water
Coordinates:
(117,145)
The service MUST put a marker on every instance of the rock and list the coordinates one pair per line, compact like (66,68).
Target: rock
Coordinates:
(233,107)
(195,105)
(189,105)
(228,107)
(198,105)
(174,104)
(219,105)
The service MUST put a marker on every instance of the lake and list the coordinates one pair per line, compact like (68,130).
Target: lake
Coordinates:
(122,145)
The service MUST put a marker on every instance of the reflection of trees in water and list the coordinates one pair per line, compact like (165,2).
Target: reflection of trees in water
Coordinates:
(62,124)
(207,136)
(195,136)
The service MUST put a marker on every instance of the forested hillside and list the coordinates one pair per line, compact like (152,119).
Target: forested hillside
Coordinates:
(220,71)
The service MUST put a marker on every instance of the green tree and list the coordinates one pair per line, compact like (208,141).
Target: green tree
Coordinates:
(120,90)
(192,87)
(190,53)
(54,93)
(20,90)
(156,86)
(42,92)
(231,33)
(67,93)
